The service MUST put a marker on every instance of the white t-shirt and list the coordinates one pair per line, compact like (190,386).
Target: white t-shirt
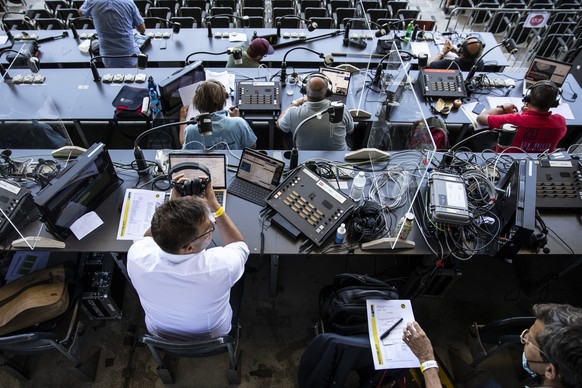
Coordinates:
(186,296)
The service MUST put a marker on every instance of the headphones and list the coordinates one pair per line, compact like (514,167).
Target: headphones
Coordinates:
(194,186)
(328,92)
(227,96)
(45,171)
(539,240)
(367,222)
(468,41)
(527,97)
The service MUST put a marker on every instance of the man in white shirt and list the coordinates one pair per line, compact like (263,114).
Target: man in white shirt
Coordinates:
(184,288)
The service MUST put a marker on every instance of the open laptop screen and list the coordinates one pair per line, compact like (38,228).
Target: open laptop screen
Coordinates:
(260,169)
(340,80)
(542,69)
(215,163)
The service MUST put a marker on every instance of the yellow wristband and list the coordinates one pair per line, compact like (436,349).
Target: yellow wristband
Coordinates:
(428,364)
(219,212)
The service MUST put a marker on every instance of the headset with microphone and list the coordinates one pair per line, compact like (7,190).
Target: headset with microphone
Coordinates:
(545,83)
(194,186)
(367,222)
(462,49)
(306,80)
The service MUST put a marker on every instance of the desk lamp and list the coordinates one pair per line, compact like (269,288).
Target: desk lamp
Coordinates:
(9,36)
(335,114)
(311,25)
(175,25)
(71,24)
(245,21)
(204,127)
(327,60)
(142,63)
(509,45)
(236,53)
(501,137)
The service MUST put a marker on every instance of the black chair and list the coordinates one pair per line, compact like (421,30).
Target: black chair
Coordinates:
(325,22)
(315,12)
(143,6)
(50,24)
(283,4)
(193,349)
(502,21)
(344,13)
(53,5)
(154,22)
(377,13)
(77,3)
(194,12)
(253,11)
(225,3)
(220,11)
(203,4)
(303,4)
(20,23)
(256,22)
(173,5)
(408,14)
(367,4)
(288,23)
(40,13)
(67,13)
(221,22)
(254,3)
(480,17)
(185,21)
(335,4)
(85,23)
(394,6)
(160,12)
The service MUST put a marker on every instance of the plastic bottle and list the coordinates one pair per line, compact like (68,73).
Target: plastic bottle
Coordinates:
(340,234)
(409,31)
(408,221)
(154,98)
(358,186)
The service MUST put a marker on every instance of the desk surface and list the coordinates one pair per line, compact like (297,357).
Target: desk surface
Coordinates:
(172,51)
(567,226)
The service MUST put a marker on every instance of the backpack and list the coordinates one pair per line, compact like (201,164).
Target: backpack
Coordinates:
(419,135)
(342,305)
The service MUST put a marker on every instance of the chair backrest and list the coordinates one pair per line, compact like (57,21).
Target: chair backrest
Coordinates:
(344,13)
(50,24)
(143,6)
(278,12)
(253,11)
(53,5)
(254,3)
(225,3)
(220,11)
(283,4)
(203,4)
(192,348)
(303,4)
(194,12)
(160,12)
(325,22)
(220,21)
(377,13)
(256,22)
(185,21)
(315,12)
(335,4)
(40,13)
(67,13)
(394,6)
(173,5)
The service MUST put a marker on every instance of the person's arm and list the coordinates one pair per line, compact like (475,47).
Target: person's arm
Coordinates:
(298,102)
(228,230)
(498,110)
(420,344)
(141,28)
(183,117)
(447,47)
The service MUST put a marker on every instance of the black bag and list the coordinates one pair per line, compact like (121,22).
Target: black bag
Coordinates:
(128,103)
(342,305)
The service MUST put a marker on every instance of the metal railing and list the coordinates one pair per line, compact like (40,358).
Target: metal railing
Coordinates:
(560,38)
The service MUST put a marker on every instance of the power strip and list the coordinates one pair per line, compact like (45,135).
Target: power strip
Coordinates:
(497,83)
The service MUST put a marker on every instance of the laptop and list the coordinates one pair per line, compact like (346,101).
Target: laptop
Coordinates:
(216,164)
(340,80)
(256,177)
(542,69)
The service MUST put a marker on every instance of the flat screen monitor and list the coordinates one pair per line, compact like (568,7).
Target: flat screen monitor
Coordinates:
(78,189)
(169,87)
(542,69)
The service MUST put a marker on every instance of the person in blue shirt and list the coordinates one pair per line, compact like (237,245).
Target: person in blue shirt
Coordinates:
(229,131)
(114,21)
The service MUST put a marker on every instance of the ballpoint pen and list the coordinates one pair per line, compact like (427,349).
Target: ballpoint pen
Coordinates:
(385,334)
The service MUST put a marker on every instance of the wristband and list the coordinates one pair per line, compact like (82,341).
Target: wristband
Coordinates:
(219,212)
(502,108)
(428,364)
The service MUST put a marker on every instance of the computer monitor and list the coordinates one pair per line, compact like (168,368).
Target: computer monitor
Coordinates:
(543,69)
(169,87)
(78,189)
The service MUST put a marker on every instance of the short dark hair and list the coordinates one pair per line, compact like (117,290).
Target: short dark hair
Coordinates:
(543,96)
(176,223)
(210,96)
(561,340)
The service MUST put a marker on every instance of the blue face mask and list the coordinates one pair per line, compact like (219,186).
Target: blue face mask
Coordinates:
(525,365)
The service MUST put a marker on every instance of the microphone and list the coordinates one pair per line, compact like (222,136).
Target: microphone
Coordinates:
(34,64)
(246,21)
(73,29)
(176,27)
(204,122)
(209,27)
(506,135)
(336,112)
(142,166)
(142,61)
(4,73)
(237,55)
(311,25)
(283,77)
(384,29)
(347,32)
(510,45)
(328,60)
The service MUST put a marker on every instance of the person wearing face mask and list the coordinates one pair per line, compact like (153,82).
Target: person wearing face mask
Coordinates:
(187,290)
(552,346)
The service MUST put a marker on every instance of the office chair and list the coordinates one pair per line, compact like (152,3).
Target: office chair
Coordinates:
(498,334)
(193,349)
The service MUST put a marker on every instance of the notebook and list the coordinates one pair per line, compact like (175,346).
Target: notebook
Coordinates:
(216,164)
(340,80)
(256,177)
(542,69)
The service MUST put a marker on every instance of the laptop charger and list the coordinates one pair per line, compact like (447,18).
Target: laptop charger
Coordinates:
(285,226)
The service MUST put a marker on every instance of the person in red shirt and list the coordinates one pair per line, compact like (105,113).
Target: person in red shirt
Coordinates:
(538,130)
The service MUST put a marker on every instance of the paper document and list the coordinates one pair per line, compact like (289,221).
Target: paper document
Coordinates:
(86,224)
(390,352)
(419,48)
(468,110)
(137,212)
(187,92)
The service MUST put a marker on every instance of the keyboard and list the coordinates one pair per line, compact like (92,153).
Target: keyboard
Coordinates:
(248,191)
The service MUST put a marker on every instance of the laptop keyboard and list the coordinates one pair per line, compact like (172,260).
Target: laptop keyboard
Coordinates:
(220,197)
(250,192)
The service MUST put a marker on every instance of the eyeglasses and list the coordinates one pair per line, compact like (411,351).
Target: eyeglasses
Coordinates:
(212,227)
(525,341)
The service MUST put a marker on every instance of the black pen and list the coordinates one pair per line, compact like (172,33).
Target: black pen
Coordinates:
(391,328)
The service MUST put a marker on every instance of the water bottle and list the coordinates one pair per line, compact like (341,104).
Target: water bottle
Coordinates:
(340,234)
(358,186)
(409,31)
(154,98)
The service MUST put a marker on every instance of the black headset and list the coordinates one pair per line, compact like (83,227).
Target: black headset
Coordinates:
(527,97)
(45,171)
(469,40)
(328,92)
(367,222)
(194,186)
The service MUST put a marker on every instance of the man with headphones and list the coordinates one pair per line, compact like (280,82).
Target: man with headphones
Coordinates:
(538,130)
(229,131)
(316,134)
(186,290)
(468,53)
(253,54)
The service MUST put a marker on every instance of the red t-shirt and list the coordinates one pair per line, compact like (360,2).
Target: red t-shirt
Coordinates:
(536,131)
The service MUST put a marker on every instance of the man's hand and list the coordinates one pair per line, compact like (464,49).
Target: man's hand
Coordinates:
(184,112)
(418,342)
(448,47)
(179,179)
(233,111)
